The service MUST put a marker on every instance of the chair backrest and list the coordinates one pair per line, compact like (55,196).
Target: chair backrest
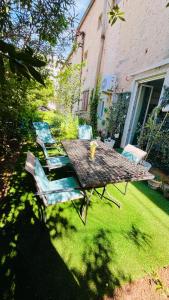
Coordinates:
(85,132)
(30,163)
(45,135)
(40,125)
(41,143)
(133,153)
(34,167)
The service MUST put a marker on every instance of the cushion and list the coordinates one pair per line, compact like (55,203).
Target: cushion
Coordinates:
(63,183)
(85,132)
(130,156)
(45,136)
(58,161)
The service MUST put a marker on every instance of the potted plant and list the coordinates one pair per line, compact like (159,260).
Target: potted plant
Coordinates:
(155,183)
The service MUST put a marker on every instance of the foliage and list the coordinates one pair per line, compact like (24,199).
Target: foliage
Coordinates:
(19,103)
(68,90)
(118,113)
(28,27)
(114,14)
(21,62)
(94,100)
(64,126)
(30,22)
(154,137)
(41,96)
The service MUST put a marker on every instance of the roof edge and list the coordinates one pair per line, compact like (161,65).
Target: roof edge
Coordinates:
(85,13)
(81,23)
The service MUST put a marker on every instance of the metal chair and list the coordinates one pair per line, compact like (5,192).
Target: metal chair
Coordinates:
(56,191)
(53,162)
(134,155)
(85,132)
(43,132)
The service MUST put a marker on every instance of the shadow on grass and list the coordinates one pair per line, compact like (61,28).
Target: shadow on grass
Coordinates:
(97,278)
(138,237)
(30,266)
(156,197)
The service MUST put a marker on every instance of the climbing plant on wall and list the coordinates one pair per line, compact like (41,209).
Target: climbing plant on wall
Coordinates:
(94,100)
(118,113)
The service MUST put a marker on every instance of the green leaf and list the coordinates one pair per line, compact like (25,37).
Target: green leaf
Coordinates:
(167,4)
(22,70)
(29,50)
(36,75)
(12,65)
(7,48)
(29,60)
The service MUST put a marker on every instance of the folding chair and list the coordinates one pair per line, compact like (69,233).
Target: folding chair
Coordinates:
(43,132)
(53,162)
(133,154)
(56,191)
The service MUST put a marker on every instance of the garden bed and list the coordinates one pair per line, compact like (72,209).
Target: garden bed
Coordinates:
(153,287)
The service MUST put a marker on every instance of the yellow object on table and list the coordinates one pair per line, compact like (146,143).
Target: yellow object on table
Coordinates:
(93,146)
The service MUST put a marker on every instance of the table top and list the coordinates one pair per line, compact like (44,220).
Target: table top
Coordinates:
(108,167)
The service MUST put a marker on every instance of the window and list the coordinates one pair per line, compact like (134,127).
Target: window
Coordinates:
(85,99)
(101,109)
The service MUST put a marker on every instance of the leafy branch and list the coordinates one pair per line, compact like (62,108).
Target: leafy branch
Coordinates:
(115,13)
(21,62)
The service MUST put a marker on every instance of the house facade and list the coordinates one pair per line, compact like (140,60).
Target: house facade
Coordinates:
(130,58)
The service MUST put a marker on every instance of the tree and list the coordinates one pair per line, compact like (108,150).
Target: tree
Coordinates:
(30,27)
(68,91)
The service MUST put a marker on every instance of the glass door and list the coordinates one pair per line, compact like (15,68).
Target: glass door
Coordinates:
(141,112)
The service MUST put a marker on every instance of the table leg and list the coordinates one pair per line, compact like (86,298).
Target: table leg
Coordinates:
(84,207)
(109,198)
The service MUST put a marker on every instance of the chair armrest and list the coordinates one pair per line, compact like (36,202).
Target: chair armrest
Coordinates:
(58,191)
(56,156)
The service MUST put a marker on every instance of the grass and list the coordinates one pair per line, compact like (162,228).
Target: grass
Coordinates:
(65,259)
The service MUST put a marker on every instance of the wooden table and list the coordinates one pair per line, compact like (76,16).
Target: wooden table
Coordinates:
(109,167)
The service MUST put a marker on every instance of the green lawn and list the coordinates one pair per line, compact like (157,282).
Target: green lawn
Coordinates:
(65,259)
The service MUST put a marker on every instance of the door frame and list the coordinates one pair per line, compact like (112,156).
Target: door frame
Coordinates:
(127,133)
(140,90)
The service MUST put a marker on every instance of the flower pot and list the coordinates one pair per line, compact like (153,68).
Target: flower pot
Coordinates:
(154,184)
(110,143)
(146,165)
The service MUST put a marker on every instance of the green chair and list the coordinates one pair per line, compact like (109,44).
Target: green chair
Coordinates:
(43,132)
(56,191)
(53,162)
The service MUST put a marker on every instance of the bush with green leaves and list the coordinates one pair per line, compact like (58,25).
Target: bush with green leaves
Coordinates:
(154,136)
(64,126)
(94,100)
(118,113)
(69,84)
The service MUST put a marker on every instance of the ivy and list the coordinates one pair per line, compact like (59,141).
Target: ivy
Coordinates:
(94,100)
(118,113)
